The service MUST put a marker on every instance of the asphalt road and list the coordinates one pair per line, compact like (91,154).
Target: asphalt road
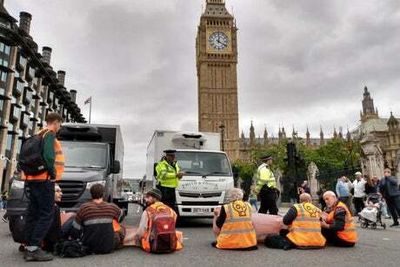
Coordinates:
(375,248)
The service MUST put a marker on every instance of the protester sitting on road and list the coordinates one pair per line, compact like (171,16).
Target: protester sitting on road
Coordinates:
(304,227)
(156,231)
(97,223)
(235,225)
(337,222)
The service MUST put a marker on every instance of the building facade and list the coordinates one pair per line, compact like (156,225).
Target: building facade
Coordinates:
(252,143)
(379,138)
(29,89)
(217,58)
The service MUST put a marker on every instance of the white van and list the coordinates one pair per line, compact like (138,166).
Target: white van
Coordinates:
(207,170)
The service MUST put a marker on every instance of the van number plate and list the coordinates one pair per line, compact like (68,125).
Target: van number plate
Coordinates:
(201,210)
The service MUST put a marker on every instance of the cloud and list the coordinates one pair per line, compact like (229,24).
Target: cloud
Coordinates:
(302,63)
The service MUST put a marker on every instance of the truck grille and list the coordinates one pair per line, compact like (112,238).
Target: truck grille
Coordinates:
(72,190)
(200,203)
(198,195)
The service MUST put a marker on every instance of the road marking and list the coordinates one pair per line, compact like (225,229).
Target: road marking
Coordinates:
(385,238)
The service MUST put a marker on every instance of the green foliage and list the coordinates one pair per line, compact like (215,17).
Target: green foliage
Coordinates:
(336,157)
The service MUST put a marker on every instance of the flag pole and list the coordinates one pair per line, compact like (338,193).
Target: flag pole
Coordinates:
(90,111)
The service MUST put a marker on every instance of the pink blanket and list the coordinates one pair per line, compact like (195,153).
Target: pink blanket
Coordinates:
(264,225)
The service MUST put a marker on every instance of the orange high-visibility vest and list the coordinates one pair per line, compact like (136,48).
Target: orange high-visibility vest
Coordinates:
(58,163)
(305,230)
(116,226)
(238,230)
(151,211)
(349,232)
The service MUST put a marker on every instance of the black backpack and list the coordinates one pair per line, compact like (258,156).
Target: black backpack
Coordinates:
(70,249)
(31,160)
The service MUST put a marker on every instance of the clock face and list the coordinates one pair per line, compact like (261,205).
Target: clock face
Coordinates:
(218,40)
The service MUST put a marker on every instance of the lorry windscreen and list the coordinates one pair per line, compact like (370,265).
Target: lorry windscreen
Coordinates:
(85,155)
(203,163)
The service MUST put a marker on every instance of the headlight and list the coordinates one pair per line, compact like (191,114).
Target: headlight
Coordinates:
(226,197)
(90,184)
(17,184)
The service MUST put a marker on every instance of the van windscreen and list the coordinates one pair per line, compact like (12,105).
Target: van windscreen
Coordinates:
(203,163)
(85,154)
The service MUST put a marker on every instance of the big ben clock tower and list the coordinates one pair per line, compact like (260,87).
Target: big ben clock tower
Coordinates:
(216,57)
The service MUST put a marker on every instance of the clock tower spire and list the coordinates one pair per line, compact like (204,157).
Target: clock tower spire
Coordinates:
(216,60)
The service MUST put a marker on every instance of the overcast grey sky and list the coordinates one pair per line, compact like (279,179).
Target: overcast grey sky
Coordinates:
(301,62)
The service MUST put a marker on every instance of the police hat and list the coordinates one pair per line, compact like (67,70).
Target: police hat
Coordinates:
(170,152)
(154,193)
(266,157)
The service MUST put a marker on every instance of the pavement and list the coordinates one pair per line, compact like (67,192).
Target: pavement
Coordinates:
(375,248)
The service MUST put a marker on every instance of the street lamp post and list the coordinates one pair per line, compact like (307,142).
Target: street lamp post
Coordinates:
(222,128)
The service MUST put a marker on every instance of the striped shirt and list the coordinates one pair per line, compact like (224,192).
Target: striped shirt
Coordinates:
(95,222)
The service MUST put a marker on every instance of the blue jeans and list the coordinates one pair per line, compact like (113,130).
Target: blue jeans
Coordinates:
(40,211)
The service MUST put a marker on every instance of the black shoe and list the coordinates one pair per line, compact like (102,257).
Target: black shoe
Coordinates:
(37,255)
(395,224)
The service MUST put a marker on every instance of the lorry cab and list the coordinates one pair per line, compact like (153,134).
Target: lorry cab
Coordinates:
(207,170)
(207,177)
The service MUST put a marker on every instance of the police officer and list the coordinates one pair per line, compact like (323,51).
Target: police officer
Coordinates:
(168,176)
(266,186)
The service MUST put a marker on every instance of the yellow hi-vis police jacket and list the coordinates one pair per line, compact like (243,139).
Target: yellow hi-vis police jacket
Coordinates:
(265,177)
(167,174)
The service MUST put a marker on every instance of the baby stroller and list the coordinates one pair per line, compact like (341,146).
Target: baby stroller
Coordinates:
(371,215)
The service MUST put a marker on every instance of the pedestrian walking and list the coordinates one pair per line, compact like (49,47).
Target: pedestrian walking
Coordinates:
(359,192)
(388,187)
(168,176)
(343,191)
(266,187)
(40,186)
(253,198)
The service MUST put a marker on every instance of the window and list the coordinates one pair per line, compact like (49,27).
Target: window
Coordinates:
(15,113)
(4,54)
(18,88)
(27,98)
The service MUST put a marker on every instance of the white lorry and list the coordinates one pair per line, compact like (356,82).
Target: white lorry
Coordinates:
(207,170)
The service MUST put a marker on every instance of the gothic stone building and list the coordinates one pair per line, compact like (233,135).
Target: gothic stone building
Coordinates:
(251,143)
(380,139)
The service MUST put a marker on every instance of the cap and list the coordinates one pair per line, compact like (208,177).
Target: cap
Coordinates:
(170,152)
(358,174)
(154,193)
(266,157)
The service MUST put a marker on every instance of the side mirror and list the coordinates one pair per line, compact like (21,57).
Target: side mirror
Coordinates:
(154,169)
(116,168)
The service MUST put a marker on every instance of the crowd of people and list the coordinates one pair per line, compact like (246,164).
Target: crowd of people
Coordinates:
(96,227)
(354,194)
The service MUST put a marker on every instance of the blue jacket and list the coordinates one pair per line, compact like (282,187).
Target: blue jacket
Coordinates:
(388,187)
(342,189)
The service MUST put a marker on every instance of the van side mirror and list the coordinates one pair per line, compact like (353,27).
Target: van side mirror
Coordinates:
(116,168)
(154,169)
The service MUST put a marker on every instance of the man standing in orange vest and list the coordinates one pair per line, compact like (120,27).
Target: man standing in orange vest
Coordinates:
(337,222)
(41,191)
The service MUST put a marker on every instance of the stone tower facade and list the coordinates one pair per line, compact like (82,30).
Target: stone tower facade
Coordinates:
(368,109)
(217,58)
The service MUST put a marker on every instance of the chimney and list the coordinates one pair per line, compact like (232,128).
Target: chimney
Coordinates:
(61,77)
(46,54)
(73,95)
(25,22)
